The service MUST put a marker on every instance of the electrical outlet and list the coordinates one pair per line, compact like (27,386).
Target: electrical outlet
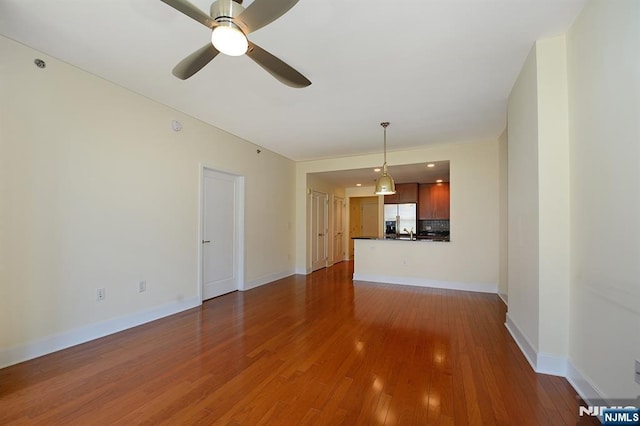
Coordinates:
(142,286)
(638,371)
(100,294)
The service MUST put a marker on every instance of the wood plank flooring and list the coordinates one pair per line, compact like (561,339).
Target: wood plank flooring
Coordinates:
(316,349)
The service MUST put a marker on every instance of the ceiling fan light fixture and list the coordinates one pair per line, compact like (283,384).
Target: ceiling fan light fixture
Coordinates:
(385,184)
(229,39)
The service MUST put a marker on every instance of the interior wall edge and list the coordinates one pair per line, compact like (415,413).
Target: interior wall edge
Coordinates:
(557,366)
(504,297)
(541,362)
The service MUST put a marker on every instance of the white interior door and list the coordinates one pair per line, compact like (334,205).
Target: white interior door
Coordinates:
(219,236)
(319,204)
(338,229)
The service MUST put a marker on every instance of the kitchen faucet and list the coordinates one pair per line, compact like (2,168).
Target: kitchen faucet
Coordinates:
(410,233)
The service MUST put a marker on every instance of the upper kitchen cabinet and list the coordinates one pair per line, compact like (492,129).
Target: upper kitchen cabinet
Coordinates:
(405,193)
(433,201)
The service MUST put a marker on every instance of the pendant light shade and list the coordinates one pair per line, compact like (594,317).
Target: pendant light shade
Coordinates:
(385,184)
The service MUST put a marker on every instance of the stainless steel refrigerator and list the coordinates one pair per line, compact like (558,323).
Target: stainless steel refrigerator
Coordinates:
(403,216)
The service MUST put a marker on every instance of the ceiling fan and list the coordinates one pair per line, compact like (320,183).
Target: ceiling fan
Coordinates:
(230,23)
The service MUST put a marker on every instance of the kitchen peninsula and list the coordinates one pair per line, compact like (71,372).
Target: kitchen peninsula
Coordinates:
(470,261)
(417,248)
(422,263)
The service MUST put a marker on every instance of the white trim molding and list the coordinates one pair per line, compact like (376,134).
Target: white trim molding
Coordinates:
(583,385)
(266,279)
(521,340)
(300,271)
(504,298)
(541,362)
(424,282)
(56,342)
(551,364)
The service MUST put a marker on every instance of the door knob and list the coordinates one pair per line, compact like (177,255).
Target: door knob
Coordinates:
(204,242)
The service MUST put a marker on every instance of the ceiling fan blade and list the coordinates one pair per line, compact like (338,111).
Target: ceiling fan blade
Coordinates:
(262,12)
(274,66)
(194,62)
(192,12)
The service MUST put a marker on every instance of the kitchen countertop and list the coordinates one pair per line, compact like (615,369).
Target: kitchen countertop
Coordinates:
(424,239)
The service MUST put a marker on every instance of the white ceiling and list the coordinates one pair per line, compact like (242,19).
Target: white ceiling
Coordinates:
(401,173)
(438,70)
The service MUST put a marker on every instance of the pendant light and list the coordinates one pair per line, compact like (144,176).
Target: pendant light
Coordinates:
(385,184)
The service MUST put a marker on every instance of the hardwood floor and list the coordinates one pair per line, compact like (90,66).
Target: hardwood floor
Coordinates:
(318,350)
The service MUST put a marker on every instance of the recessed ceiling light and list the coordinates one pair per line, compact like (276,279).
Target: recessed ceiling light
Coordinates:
(431,165)
(376,170)
(358,184)
(439,181)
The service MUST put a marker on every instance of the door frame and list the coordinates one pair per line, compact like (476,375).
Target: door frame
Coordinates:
(312,237)
(238,228)
(342,215)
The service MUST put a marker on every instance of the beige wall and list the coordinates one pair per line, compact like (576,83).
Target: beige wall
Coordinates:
(503,188)
(523,202)
(538,246)
(604,86)
(98,191)
(573,161)
(472,256)
(553,196)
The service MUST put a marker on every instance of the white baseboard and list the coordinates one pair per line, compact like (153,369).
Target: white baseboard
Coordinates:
(504,298)
(557,366)
(424,282)
(521,340)
(541,362)
(583,385)
(56,342)
(551,364)
(266,279)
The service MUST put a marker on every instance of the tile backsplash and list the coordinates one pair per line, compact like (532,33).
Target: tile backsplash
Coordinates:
(433,225)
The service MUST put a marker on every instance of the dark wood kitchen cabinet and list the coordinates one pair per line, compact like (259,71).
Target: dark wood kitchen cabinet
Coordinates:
(433,201)
(405,193)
